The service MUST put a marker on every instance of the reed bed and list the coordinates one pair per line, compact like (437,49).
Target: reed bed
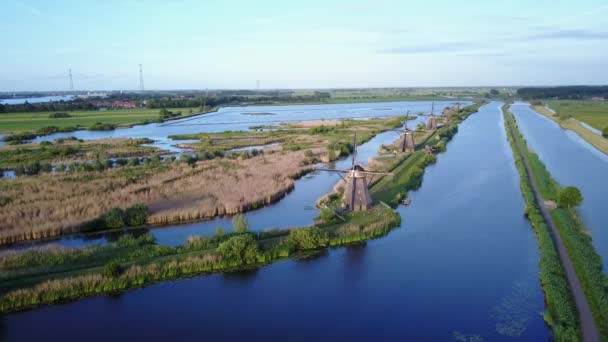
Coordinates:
(47,206)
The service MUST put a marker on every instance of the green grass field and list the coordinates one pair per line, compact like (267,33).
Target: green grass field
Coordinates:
(29,122)
(593,113)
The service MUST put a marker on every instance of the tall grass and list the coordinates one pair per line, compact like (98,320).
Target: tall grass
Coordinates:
(198,255)
(47,206)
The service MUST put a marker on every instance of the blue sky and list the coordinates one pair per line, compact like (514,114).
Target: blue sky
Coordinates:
(301,44)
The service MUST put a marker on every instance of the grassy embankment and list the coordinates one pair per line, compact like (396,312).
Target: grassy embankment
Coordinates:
(590,112)
(189,189)
(41,277)
(35,121)
(562,315)
(408,169)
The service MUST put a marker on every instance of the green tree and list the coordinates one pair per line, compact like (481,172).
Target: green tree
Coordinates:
(136,215)
(240,223)
(111,269)
(570,197)
(307,238)
(114,218)
(326,214)
(605,132)
(241,248)
(494,92)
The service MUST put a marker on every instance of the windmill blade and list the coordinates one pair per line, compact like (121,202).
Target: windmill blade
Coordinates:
(331,170)
(376,173)
(355,149)
(433,108)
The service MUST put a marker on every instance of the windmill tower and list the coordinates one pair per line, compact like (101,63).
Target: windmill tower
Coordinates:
(356,193)
(431,123)
(407,144)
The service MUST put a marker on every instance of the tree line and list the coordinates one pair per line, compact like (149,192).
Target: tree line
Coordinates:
(564,92)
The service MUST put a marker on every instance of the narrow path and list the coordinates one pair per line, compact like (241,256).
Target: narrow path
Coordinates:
(588,326)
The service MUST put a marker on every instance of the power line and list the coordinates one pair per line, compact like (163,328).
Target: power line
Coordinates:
(141,78)
(71,80)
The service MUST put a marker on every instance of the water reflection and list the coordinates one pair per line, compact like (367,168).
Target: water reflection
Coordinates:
(441,275)
(571,161)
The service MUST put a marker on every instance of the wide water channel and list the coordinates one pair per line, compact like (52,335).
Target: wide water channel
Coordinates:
(463,264)
(571,161)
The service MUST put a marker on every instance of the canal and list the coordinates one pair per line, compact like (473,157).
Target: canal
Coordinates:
(571,161)
(463,265)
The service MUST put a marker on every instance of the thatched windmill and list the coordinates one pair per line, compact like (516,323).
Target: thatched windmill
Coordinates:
(356,193)
(408,144)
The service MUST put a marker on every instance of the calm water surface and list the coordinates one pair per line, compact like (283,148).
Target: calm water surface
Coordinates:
(463,263)
(571,161)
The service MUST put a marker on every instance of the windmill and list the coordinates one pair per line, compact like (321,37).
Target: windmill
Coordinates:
(431,124)
(408,144)
(356,194)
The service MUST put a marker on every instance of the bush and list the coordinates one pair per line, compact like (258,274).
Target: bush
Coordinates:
(111,269)
(98,126)
(219,231)
(570,197)
(133,161)
(136,214)
(605,132)
(240,223)
(242,249)
(59,115)
(307,238)
(114,218)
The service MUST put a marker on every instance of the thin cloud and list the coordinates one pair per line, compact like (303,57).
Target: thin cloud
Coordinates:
(447,47)
(570,34)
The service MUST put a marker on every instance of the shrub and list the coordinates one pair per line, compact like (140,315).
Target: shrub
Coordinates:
(605,132)
(136,214)
(59,115)
(240,223)
(219,231)
(307,238)
(133,161)
(111,269)
(98,126)
(570,197)
(240,248)
(114,218)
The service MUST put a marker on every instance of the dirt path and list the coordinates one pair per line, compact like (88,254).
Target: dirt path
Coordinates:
(588,326)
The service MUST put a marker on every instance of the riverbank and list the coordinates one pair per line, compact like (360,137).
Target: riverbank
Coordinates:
(38,278)
(564,264)
(597,141)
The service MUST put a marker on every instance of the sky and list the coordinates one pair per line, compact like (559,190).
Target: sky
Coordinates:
(227,44)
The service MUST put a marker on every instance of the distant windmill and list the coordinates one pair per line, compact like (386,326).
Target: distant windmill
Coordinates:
(356,193)
(408,144)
